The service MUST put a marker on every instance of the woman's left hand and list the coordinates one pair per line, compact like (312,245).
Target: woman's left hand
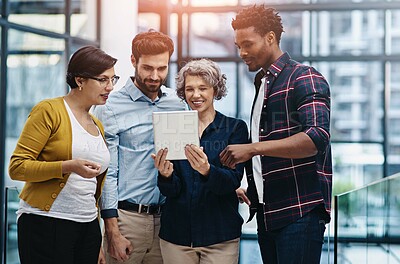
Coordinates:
(197,159)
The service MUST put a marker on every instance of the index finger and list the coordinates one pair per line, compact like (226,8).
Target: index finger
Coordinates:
(198,150)
(158,157)
(223,156)
(164,155)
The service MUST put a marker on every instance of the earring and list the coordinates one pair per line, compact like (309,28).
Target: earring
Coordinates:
(80,88)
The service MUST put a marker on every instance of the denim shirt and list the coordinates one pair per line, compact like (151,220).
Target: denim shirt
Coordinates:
(199,210)
(128,127)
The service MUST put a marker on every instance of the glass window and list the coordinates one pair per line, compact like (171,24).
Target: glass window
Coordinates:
(394,119)
(348,33)
(48,15)
(356,99)
(246,92)
(227,105)
(11,207)
(84,19)
(23,41)
(355,165)
(348,1)
(172,72)
(148,21)
(211,35)
(291,39)
(173,33)
(394,32)
(371,215)
(251,2)
(36,70)
(213,3)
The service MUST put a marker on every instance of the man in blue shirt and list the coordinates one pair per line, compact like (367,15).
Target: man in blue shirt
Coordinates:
(131,201)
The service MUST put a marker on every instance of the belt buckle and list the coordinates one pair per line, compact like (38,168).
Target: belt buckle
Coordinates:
(144,209)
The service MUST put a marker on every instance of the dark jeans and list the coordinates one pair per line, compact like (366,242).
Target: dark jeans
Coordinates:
(48,240)
(298,243)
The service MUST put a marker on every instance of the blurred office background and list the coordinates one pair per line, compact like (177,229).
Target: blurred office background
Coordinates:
(354,44)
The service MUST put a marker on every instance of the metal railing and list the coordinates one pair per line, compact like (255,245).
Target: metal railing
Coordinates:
(367,223)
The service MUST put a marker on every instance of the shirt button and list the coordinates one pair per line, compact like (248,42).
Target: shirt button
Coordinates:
(262,130)
(268,72)
(268,82)
(47,208)
(265,106)
(54,195)
(276,74)
(62,185)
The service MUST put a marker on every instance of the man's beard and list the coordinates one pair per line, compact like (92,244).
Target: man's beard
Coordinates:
(151,88)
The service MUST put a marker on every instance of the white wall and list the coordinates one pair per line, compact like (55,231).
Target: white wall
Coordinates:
(118,28)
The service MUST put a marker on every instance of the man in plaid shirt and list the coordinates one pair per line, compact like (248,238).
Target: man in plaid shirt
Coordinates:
(289,168)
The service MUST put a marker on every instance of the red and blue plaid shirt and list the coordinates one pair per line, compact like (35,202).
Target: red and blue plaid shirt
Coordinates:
(296,99)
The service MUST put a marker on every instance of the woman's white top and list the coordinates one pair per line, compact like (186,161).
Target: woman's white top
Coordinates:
(76,200)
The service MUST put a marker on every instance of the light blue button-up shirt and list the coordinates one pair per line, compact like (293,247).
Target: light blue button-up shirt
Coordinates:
(128,127)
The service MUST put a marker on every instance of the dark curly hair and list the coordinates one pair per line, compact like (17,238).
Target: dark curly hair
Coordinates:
(263,19)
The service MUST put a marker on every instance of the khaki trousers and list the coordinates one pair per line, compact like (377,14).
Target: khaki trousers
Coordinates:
(221,253)
(142,230)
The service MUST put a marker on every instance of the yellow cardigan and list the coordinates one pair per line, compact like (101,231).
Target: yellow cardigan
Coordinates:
(44,143)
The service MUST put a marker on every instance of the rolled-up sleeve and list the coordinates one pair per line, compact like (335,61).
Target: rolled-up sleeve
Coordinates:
(313,106)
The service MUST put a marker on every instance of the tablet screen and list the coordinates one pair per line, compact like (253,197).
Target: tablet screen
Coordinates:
(174,130)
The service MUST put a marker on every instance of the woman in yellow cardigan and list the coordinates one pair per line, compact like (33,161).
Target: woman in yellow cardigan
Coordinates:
(62,157)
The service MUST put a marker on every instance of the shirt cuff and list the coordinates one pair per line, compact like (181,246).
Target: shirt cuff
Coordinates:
(320,138)
(109,213)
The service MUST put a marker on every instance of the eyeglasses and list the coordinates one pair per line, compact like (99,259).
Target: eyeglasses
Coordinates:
(105,81)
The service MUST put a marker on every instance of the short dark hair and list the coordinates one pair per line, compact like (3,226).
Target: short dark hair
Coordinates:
(151,43)
(206,69)
(88,61)
(263,19)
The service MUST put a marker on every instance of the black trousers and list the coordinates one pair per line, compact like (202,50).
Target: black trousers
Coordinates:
(47,240)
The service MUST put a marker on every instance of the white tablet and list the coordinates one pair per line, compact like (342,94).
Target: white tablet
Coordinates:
(174,130)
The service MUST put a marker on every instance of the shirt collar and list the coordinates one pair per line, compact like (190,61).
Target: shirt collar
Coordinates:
(217,123)
(279,64)
(275,68)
